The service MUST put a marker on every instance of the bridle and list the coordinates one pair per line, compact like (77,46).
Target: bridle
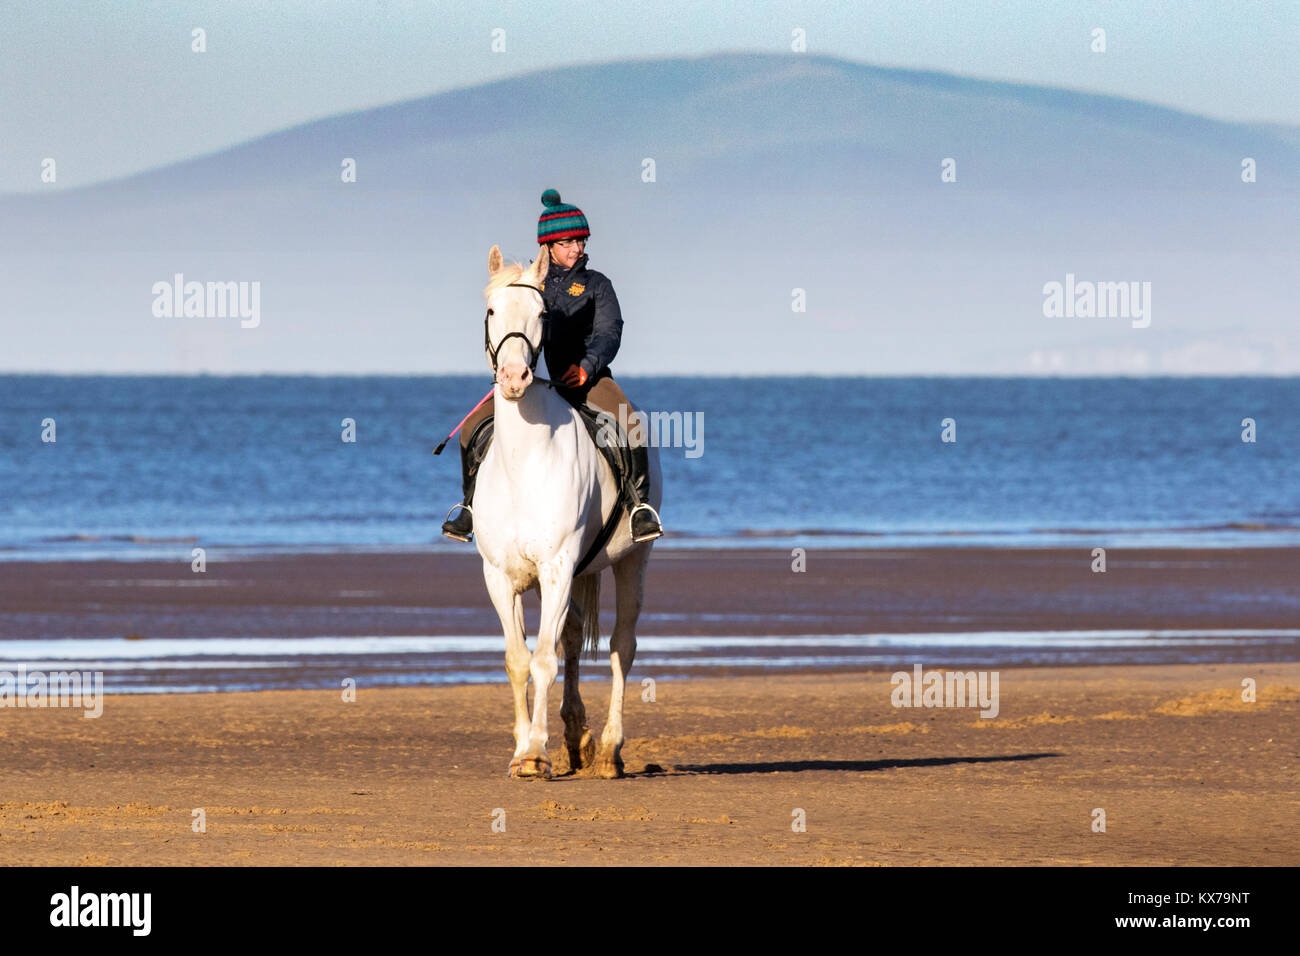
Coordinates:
(533,353)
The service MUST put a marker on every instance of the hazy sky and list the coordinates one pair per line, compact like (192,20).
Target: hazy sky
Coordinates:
(110,88)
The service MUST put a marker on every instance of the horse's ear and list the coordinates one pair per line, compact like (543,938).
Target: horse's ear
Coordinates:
(541,264)
(494,260)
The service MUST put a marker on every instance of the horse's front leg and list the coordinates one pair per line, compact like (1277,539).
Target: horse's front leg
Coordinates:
(556,581)
(510,608)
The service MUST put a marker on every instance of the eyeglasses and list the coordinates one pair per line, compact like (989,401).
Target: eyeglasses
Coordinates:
(566,243)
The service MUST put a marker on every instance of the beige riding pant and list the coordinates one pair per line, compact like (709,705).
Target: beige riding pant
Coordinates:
(604,395)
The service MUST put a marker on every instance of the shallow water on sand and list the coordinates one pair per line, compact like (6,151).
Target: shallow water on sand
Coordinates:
(235,664)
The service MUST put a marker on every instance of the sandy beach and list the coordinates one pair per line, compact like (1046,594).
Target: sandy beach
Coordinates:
(1185,772)
(719,762)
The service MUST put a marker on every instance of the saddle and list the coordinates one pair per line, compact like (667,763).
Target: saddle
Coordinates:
(617,453)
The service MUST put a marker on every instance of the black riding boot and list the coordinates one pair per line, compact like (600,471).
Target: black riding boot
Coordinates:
(472,454)
(462,528)
(644,520)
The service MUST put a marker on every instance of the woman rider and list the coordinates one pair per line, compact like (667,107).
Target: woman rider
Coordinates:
(585,329)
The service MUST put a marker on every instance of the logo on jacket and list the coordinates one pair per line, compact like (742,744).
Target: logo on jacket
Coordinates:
(577,289)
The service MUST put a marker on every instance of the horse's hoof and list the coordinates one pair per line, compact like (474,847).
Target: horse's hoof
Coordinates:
(608,768)
(531,767)
(582,754)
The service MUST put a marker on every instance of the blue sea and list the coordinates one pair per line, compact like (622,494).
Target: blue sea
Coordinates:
(147,467)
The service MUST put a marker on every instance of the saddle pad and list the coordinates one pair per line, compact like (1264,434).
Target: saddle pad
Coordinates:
(619,455)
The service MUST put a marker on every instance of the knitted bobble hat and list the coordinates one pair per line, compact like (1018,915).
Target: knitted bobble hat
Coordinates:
(559,220)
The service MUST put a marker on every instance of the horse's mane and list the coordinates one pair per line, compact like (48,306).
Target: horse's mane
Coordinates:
(504,276)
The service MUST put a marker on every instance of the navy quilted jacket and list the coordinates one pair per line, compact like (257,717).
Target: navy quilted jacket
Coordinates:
(586,324)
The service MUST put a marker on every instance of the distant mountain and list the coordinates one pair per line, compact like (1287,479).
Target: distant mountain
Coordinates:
(772,173)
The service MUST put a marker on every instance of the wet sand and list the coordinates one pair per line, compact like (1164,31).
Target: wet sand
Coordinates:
(707,613)
(1185,772)
(687,592)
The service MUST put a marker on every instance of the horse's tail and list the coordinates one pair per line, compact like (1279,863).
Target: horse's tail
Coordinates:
(586,594)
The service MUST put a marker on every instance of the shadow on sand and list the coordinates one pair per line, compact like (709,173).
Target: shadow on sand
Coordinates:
(798,766)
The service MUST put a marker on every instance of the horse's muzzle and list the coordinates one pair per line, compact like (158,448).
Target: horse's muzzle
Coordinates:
(514,380)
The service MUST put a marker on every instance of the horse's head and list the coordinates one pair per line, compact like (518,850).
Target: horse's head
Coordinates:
(513,328)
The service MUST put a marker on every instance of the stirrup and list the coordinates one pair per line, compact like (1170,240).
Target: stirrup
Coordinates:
(446,522)
(646,537)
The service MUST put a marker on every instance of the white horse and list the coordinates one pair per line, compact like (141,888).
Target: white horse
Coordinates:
(544,491)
